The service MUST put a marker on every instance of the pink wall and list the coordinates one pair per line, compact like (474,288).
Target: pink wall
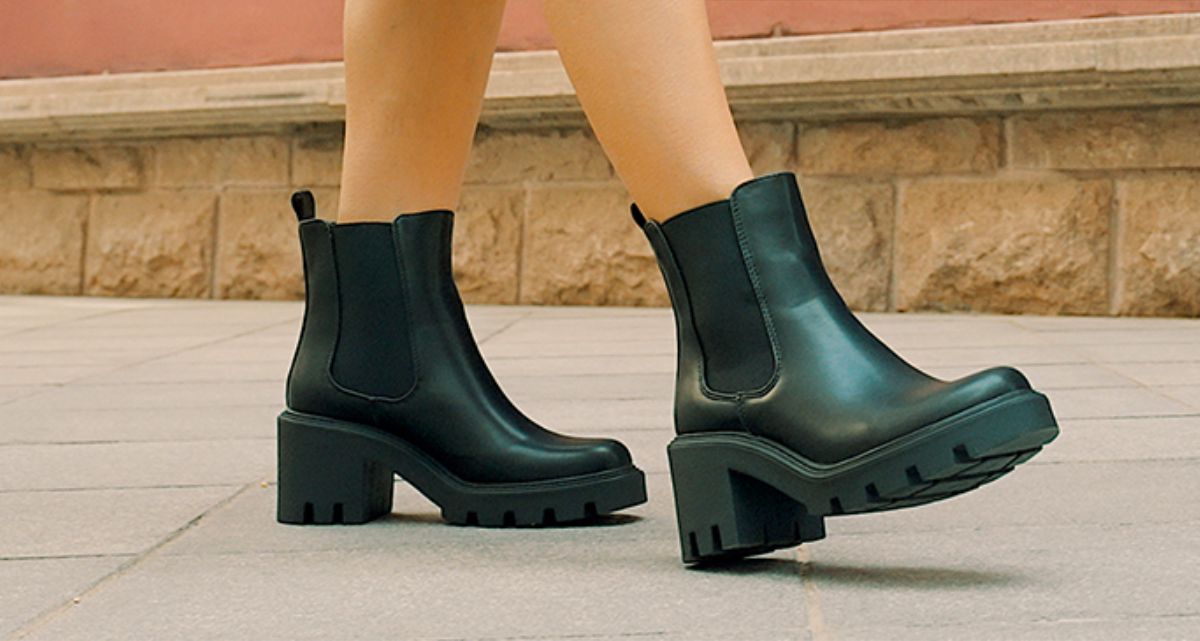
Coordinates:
(61,37)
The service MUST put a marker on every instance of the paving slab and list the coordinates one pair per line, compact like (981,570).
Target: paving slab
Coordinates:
(124,521)
(1168,628)
(32,587)
(1151,373)
(1188,394)
(36,423)
(137,467)
(164,394)
(982,577)
(53,466)
(1125,439)
(1115,402)
(1106,493)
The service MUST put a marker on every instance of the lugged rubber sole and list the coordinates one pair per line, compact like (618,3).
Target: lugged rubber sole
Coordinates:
(340,472)
(737,494)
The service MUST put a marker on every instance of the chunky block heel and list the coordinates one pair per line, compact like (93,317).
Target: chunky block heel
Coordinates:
(333,471)
(724,514)
(736,493)
(327,476)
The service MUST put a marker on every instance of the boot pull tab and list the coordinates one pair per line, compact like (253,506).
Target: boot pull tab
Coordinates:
(304,205)
(638,216)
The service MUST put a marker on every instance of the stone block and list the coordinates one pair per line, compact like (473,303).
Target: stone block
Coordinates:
(487,242)
(1146,138)
(151,244)
(89,167)
(41,250)
(580,248)
(1158,253)
(905,147)
(258,252)
(769,146)
(15,172)
(1029,246)
(219,161)
(501,156)
(853,221)
(317,159)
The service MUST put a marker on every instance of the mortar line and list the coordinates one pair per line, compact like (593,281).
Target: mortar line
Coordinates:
(1115,231)
(526,202)
(214,242)
(893,269)
(87,224)
(46,616)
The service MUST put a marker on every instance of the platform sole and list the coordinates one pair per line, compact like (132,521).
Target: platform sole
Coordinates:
(738,495)
(337,472)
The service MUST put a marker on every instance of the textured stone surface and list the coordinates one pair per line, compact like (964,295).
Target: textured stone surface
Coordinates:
(42,244)
(215,162)
(853,222)
(1159,251)
(547,155)
(1006,246)
(543,219)
(1107,139)
(258,253)
(487,242)
(89,167)
(936,145)
(152,244)
(29,587)
(769,146)
(14,167)
(317,158)
(581,248)
(1067,547)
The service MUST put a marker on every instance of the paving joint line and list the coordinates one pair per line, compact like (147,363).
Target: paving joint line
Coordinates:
(122,488)
(147,360)
(504,328)
(46,616)
(814,615)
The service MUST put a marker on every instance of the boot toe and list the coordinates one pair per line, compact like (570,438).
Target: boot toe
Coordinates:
(991,383)
(604,454)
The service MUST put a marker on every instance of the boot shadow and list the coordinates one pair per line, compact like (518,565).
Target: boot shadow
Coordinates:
(884,577)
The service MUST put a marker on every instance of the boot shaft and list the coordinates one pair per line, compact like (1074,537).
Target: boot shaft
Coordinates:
(730,266)
(374,293)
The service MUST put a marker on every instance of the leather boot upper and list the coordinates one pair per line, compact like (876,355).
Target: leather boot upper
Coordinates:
(766,345)
(386,343)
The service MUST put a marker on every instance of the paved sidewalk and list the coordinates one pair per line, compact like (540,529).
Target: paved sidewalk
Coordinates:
(136,488)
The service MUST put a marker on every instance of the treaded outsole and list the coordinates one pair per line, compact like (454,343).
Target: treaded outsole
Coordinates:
(720,478)
(335,472)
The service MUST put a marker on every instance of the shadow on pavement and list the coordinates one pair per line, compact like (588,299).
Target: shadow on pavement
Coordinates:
(882,577)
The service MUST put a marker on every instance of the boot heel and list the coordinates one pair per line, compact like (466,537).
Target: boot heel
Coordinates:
(725,514)
(326,477)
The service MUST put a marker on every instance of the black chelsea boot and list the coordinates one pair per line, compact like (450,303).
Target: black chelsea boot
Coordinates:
(387,379)
(788,409)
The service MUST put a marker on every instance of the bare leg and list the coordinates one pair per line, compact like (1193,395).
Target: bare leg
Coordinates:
(646,74)
(415,75)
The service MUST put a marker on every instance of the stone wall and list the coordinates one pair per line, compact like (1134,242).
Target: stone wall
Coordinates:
(1071,212)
